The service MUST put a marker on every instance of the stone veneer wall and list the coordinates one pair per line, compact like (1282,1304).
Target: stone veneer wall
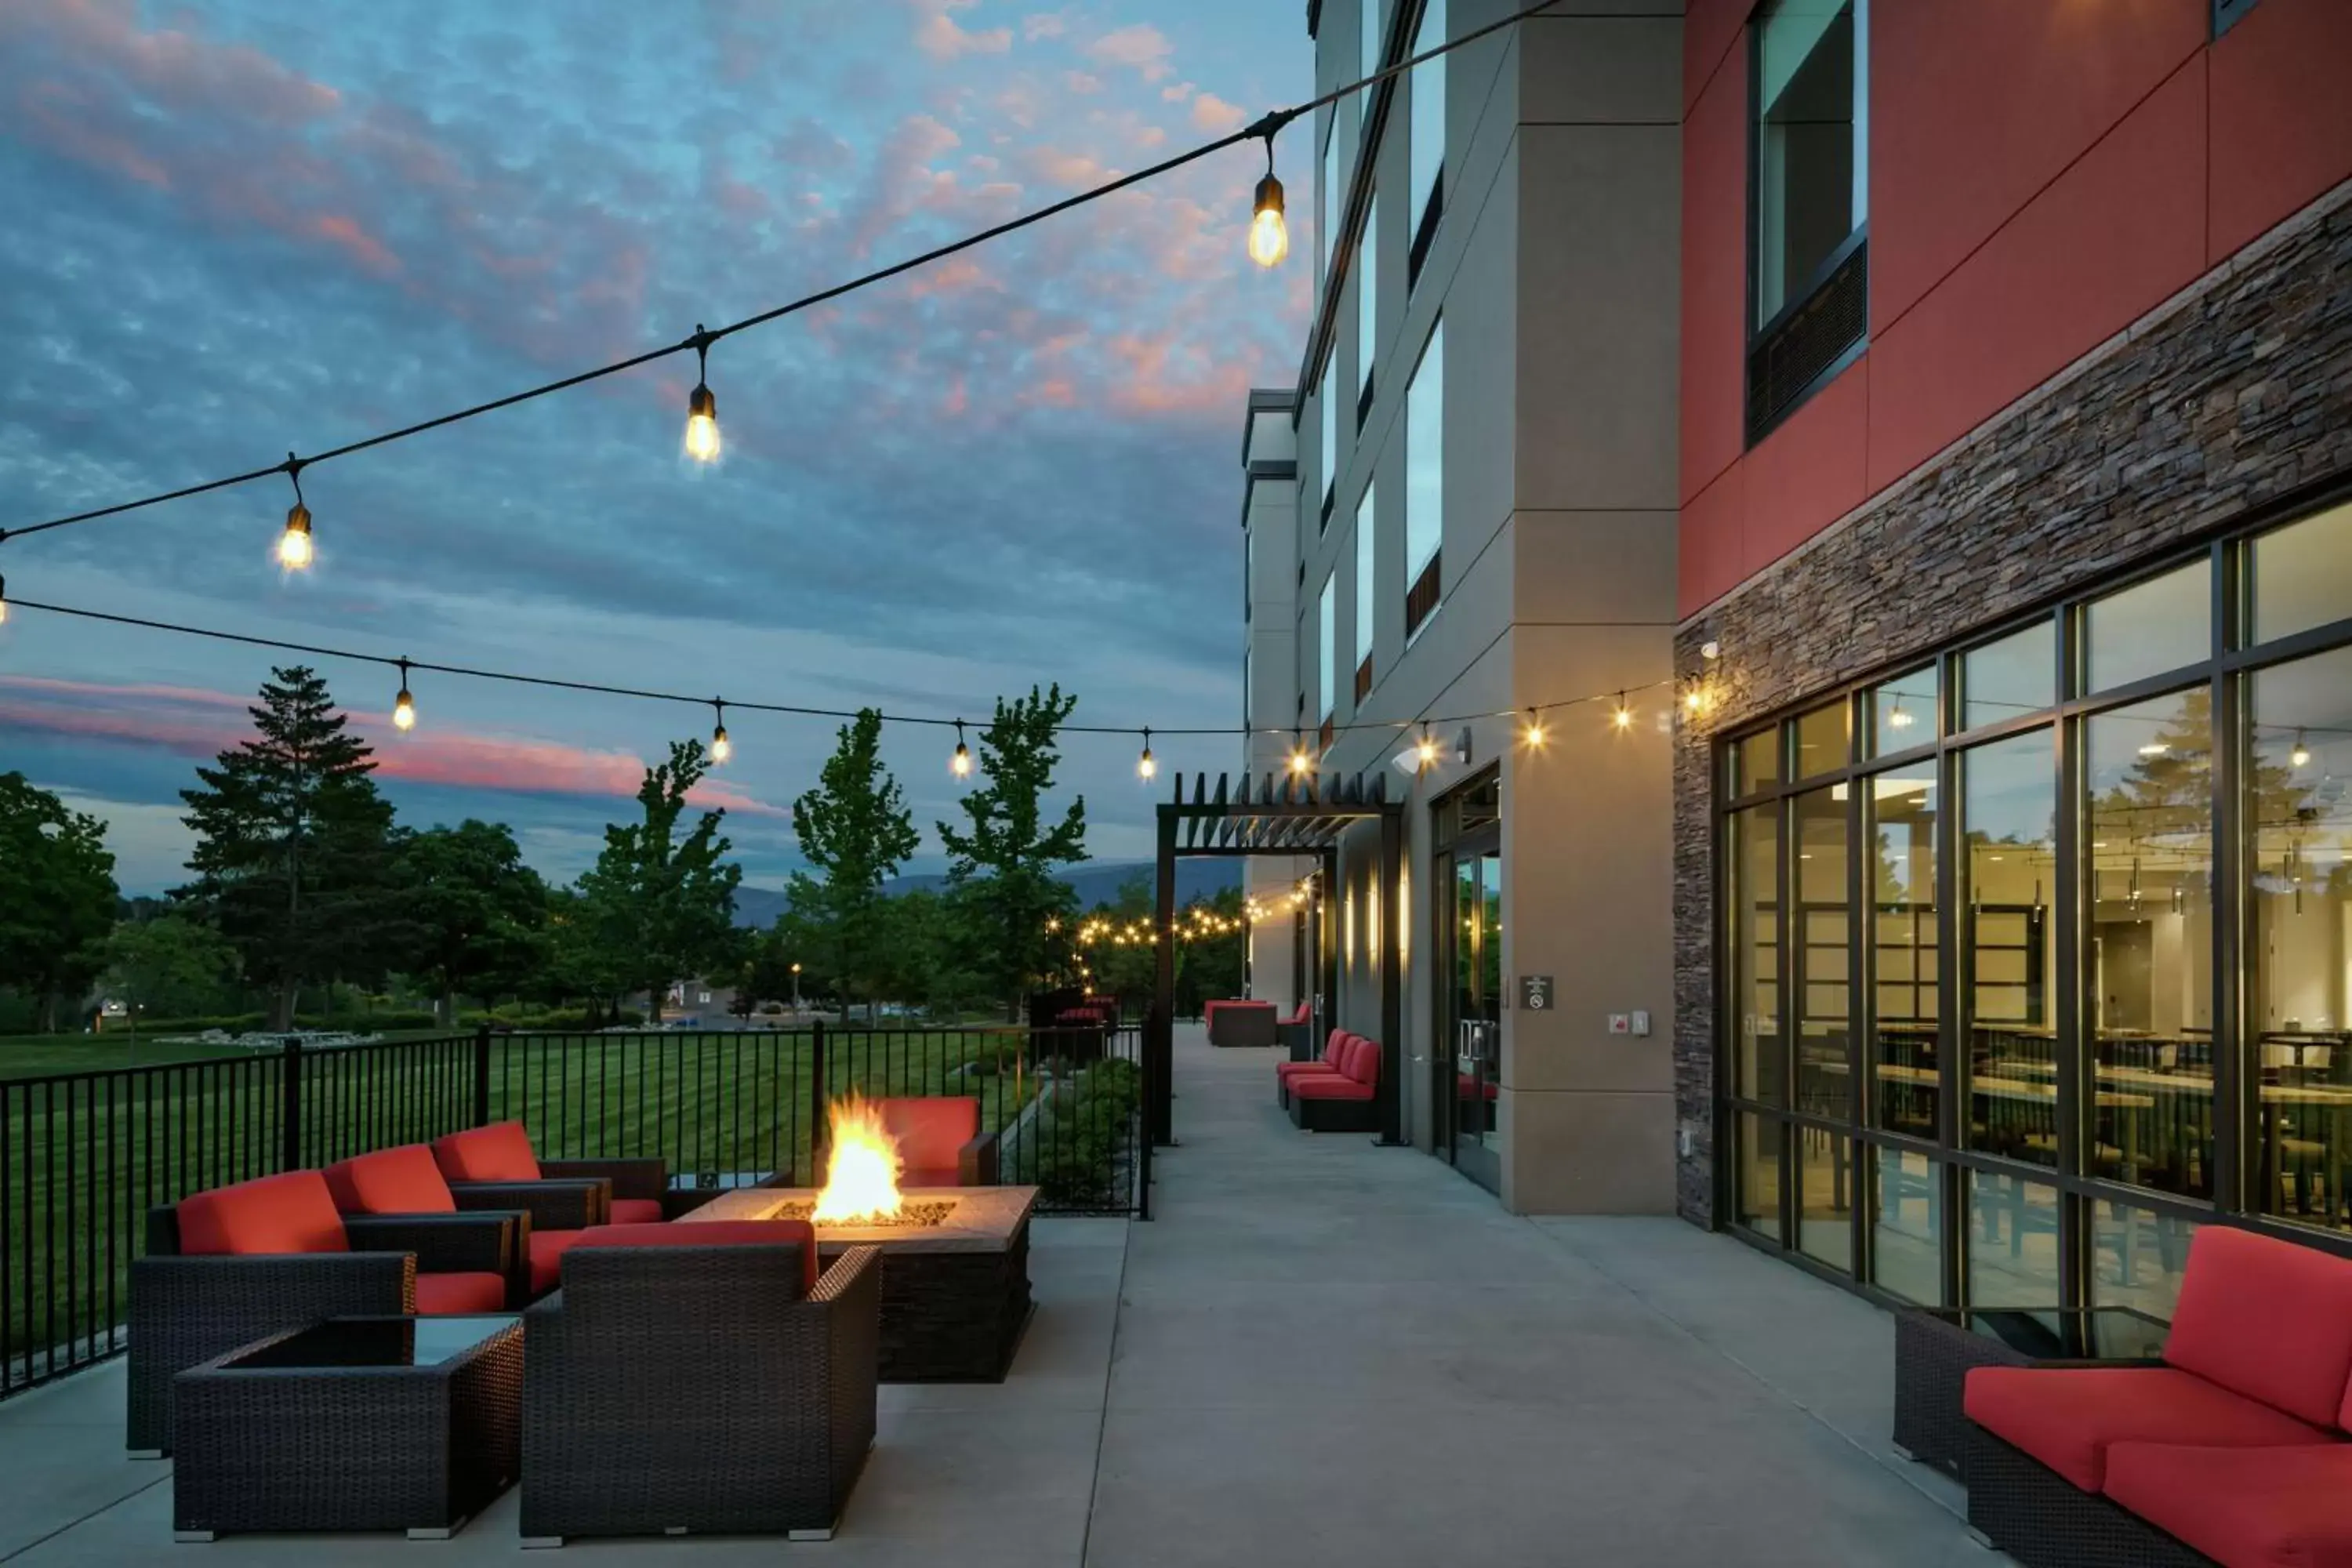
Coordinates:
(2234,393)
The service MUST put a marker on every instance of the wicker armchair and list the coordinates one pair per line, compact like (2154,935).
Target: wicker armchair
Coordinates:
(675,1386)
(940,1140)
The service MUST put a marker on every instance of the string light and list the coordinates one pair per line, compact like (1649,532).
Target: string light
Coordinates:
(722,747)
(1534,734)
(961,763)
(403,706)
(1695,700)
(294,545)
(1145,767)
(1426,751)
(1299,763)
(1269,235)
(1621,716)
(2300,757)
(701,408)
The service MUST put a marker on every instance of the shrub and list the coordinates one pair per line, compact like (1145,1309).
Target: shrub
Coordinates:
(1080,1142)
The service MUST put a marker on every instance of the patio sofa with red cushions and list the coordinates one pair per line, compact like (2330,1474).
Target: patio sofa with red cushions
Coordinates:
(1340,1101)
(228,1267)
(495,1167)
(2230,1449)
(1329,1062)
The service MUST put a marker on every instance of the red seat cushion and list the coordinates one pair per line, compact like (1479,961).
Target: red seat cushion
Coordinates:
(390,1180)
(932,1131)
(1468,1088)
(289,1213)
(2292,1507)
(636,1211)
(499,1152)
(1330,1086)
(931,1176)
(2269,1319)
(547,1249)
(440,1293)
(2067,1416)
(714,1233)
(1300,1069)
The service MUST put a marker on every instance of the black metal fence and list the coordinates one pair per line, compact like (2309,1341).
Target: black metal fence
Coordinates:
(84,1155)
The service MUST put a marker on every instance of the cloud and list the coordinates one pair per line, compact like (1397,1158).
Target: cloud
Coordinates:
(1215,116)
(939,34)
(1140,46)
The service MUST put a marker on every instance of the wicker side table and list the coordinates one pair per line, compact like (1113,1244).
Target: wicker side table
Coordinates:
(1935,1349)
(409,1424)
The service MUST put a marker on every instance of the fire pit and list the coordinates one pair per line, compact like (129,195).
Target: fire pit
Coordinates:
(955,1262)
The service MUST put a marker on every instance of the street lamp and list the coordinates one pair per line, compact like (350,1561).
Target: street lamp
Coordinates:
(796,989)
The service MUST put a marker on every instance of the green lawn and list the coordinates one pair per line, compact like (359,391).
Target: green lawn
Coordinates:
(81,1160)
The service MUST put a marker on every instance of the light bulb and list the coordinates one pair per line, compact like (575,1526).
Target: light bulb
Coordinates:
(1427,750)
(1900,719)
(1299,761)
(1269,235)
(294,545)
(1695,700)
(4,601)
(2300,757)
(1623,716)
(404,711)
(702,427)
(1534,734)
(722,747)
(1145,766)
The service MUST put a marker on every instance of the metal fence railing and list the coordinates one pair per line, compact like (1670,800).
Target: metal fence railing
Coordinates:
(83,1156)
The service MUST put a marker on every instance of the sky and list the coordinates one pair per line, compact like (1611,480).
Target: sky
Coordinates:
(256,226)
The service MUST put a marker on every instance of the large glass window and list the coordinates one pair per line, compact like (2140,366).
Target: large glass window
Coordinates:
(1825,1198)
(1365,523)
(1906,969)
(1821,741)
(2013,1258)
(1330,224)
(1907,1227)
(2137,1257)
(1330,432)
(1424,481)
(1756,761)
(1812,174)
(1327,620)
(2011,678)
(1903,712)
(2162,623)
(1757,1190)
(1369,35)
(1754,902)
(1425,201)
(1822,977)
(1367,303)
(2303,574)
(2009,830)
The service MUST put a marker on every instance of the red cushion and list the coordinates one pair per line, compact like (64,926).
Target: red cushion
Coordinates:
(932,1132)
(2292,1507)
(289,1213)
(931,1177)
(390,1180)
(1330,1086)
(499,1152)
(1366,1067)
(2269,1319)
(2066,1417)
(1299,1069)
(714,1233)
(547,1249)
(636,1211)
(1468,1088)
(440,1293)
(1331,1046)
(1302,1015)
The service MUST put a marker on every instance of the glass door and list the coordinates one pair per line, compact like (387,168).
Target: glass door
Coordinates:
(1474,992)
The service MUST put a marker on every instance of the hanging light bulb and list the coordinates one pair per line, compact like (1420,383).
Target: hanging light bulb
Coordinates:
(2301,757)
(1900,719)
(722,747)
(1534,734)
(1299,761)
(403,706)
(961,763)
(1695,700)
(1145,767)
(1620,715)
(1426,753)
(1269,235)
(294,545)
(702,442)
(4,601)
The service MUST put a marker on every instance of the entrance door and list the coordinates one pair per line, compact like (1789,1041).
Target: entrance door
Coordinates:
(1474,993)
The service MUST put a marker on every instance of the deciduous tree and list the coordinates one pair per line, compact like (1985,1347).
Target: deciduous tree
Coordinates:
(661,904)
(57,895)
(1002,862)
(854,828)
(470,911)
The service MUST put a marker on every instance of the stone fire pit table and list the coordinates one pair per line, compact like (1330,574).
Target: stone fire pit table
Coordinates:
(955,1295)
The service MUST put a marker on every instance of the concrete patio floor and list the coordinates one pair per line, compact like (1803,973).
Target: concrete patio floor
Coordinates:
(1320,1353)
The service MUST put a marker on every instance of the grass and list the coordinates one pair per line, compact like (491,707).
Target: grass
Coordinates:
(40,1055)
(82,1160)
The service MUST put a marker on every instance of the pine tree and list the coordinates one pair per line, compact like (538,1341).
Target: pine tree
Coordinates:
(290,858)
(856,830)
(1002,864)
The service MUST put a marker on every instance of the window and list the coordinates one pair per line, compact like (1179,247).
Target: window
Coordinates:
(1368,306)
(1754,900)
(1329,395)
(1424,481)
(1903,712)
(1756,761)
(1820,740)
(1365,515)
(1370,37)
(2009,830)
(1328,613)
(2303,574)
(1820,981)
(2162,623)
(1906,1227)
(2011,678)
(1330,224)
(1425,199)
(1809,151)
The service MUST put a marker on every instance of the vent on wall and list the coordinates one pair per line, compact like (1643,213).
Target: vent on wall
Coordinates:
(1808,341)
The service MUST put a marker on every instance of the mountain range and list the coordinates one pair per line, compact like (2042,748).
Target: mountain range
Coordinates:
(1094,882)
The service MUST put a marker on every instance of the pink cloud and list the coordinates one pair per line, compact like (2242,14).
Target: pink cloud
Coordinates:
(938,36)
(1215,116)
(1140,46)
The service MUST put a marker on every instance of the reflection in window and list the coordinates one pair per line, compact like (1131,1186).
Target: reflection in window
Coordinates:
(2009,811)
(1366,547)
(1426,199)
(1424,481)
(1757,1193)
(1755,908)
(1330,426)
(2138,1257)
(2303,574)
(2162,623)
(2299,935)
(1825,1198)
(2012,1241)
(1901,827)
(1368,299)
(1326,661)
(1756,761)
(1907,1227)
(2011,678)
(1819,938)
(1903,712)
(1820,740)
(1811,153)
(2149,914)
(1330,224)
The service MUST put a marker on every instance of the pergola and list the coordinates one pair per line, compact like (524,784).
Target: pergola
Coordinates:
(1289,816)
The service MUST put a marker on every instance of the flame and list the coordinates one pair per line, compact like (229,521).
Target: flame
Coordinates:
(861,1177)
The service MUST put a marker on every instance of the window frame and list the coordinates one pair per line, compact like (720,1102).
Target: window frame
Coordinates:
(1425,207)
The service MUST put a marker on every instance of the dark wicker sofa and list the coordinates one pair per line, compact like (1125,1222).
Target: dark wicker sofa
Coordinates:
(2232,1449)
(697,1378)
(231,1266)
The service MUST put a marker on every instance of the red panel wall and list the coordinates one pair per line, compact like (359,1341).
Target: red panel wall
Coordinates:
(2038,180)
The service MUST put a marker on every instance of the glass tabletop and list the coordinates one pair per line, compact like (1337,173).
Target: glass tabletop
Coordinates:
(376,1341)
(2054,1333)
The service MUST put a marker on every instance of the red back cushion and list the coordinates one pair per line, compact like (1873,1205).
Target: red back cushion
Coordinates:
(2269,1319)
(390,1180)
(711,1233)
(499,1152)
(290,1212)
(1331,1046)
(1366,1068)
(932,1132)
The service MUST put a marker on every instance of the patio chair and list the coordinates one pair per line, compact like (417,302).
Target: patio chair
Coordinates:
(227,1266)
(495,1167)
(700,1378)
(940,1143)
(1343,1102)
(406,1181)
